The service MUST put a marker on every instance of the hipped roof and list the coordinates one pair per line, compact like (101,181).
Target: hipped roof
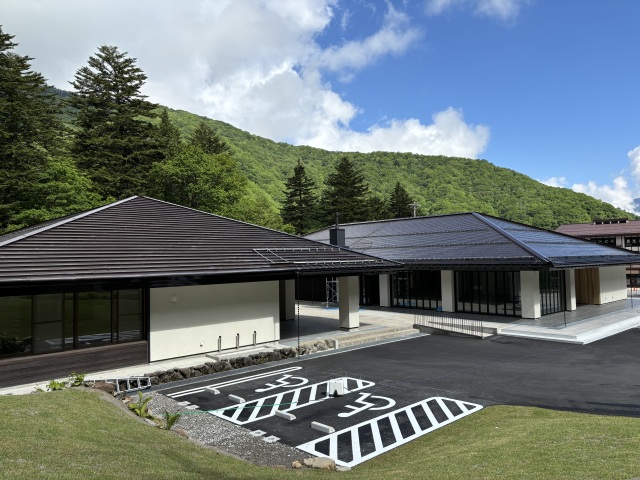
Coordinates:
(474,241)
(142,238)
(628,227)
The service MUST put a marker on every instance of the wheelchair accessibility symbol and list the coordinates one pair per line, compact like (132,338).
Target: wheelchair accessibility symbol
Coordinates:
(284,381)
(364,405)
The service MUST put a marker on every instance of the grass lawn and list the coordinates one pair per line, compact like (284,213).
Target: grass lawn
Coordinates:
(77,434)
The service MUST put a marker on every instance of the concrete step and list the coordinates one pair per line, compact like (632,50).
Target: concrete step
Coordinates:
(373,336)
(567,336)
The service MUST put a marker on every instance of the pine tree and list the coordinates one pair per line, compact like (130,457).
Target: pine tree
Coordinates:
(347,193)
(299,208)
(399,203)
(209,141)
(168,135)
(36,182)
(115,143)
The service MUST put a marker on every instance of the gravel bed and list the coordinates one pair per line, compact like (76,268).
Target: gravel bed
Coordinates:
(226,437)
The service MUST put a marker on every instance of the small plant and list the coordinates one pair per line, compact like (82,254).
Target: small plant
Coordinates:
(170,419)
(76,379)
(141,407)
(55,385)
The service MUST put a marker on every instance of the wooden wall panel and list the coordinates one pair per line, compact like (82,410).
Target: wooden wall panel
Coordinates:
(588,286)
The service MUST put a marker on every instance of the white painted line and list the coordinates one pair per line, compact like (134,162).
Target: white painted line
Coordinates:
(321,427)
(285,401)
(394,438)
(232,382)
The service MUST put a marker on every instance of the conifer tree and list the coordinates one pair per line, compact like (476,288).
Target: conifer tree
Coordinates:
(168,135)
(346,192)
(209,141)
(115,143)
(299,208)
(36,181)
(399,203)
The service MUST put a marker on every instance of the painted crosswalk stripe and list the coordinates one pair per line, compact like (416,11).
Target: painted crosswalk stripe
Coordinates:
(366,440)
(286,401)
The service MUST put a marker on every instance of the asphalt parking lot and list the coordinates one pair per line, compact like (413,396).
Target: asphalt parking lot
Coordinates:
(397,391)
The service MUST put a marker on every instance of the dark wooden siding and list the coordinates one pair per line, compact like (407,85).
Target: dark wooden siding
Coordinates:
(41,368)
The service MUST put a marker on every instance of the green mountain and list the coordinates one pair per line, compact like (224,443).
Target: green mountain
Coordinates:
(439,184)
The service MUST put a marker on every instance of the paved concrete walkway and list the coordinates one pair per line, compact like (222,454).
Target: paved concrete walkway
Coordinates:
(316,323)
(582,326)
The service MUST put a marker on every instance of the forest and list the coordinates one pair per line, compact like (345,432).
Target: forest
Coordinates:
(64,152)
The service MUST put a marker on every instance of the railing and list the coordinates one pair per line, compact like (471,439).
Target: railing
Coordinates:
(449,322)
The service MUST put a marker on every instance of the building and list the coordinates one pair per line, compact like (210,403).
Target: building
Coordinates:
(142,280)
(475,263)
(622,233)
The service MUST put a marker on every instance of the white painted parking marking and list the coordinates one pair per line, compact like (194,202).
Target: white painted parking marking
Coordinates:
(249,378)
(367,405)
(284,382)
(361,442)
(285,401)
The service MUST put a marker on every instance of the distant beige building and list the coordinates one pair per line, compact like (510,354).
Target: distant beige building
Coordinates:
(620,232)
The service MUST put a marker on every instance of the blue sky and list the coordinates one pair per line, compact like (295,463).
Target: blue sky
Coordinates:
(548,88)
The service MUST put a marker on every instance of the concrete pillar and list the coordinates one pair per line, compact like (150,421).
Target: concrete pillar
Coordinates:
(287,299)
(530,294)
(349,303)
(570,290)
(385,289)
(447,286)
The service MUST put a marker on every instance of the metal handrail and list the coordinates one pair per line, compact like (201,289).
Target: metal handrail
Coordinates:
(449,322)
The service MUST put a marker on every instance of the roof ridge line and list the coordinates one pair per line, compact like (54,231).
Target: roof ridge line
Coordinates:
(65,221)
(522,245)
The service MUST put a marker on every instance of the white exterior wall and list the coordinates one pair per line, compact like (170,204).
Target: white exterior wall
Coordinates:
(570,290)
(530,294)
(349,302)
(447,279)
(384,283)
(613,283)
(188,320)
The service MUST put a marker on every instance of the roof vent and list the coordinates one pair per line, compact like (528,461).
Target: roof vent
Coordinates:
(336,234)
(336,237)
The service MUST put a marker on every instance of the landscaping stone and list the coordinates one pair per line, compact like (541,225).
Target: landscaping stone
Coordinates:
(322,463)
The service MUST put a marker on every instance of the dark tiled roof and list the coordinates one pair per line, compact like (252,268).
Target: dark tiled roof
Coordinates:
(474,240)
(630,227)
(144,238)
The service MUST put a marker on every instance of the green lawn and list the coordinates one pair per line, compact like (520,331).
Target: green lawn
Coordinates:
(77,434)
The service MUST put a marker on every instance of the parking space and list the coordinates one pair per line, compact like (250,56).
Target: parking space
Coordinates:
(354,405)
(342,417)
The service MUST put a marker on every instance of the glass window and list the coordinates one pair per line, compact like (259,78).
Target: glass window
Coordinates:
(496,293)
(129,315)
(93,311)
(48,312)
(15,325)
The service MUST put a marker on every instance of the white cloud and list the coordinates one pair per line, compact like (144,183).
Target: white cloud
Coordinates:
(253,63)
(502,9)
(622,191)
(619,194)
(558,182)
(447,135)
